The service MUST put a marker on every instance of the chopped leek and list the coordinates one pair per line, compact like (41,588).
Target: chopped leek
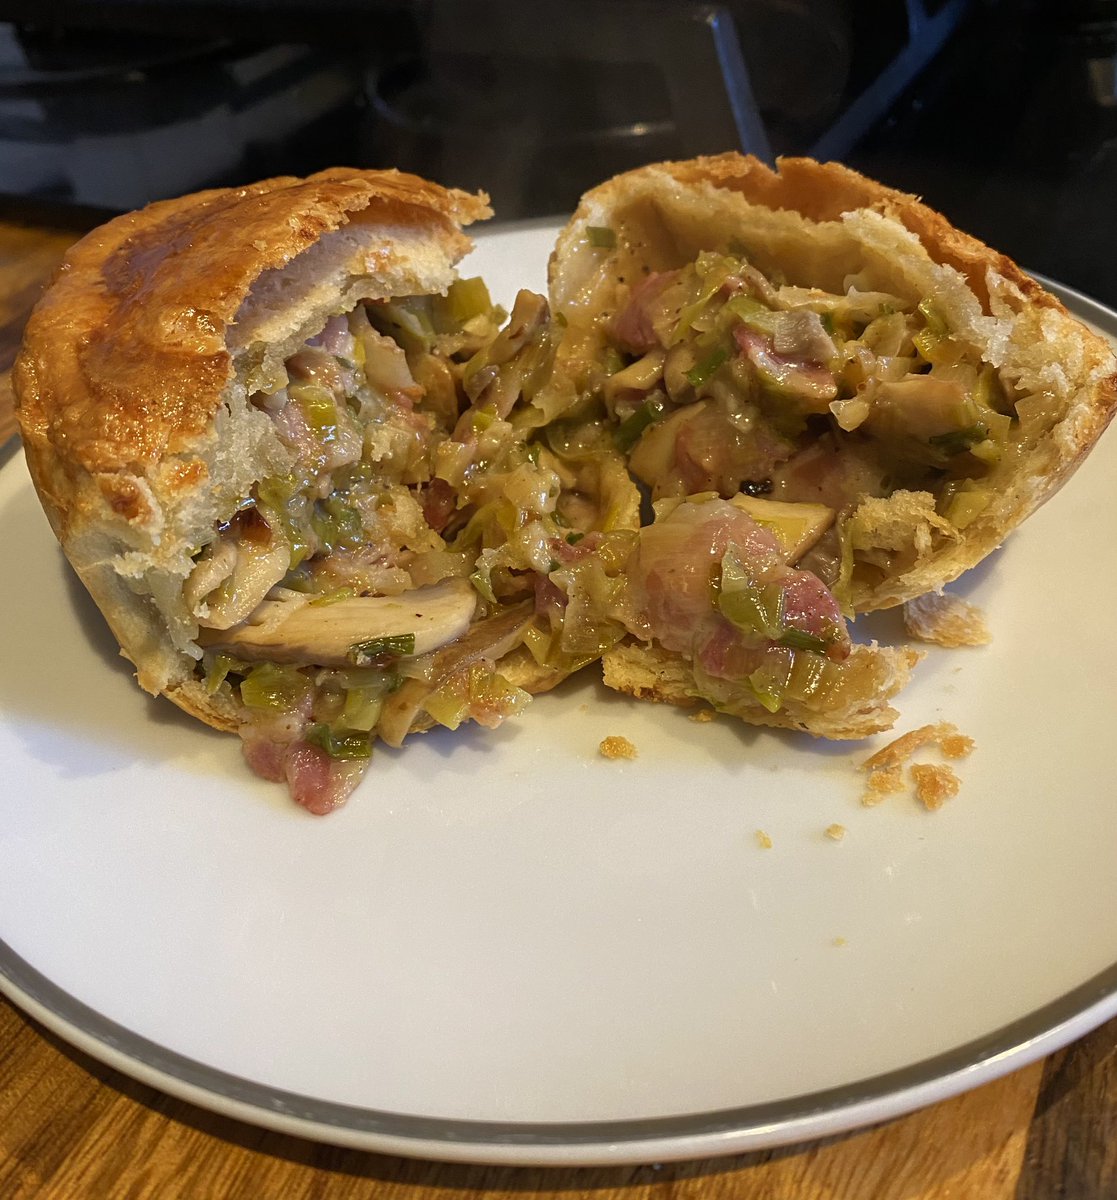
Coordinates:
(632,428)
(362,709)
(936,322)
(799,639)
(753,314)
(754,608)
(346,745)
(601,236)
(612,362)
(318,407)
(480,693)
(958,440)
(397,645)
(701,372)
(218,668)
(326,598)
(337,524)
(964,506)
(467,298)
(768,682)
(274,688)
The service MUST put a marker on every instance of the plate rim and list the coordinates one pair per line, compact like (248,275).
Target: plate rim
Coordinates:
(720,1132)
(707,1134)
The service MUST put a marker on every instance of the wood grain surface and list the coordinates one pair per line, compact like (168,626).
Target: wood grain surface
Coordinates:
(71,1128)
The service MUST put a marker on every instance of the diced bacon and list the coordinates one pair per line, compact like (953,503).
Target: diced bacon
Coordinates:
(565,552)
(672,573)
(549,597)
(673,568)
(295,433)
(819,474)
(265,757)
(439,504)
(712,454)
(318,782)
(725,655)
(632,327)
(313,364)
(808,606)
(809,383)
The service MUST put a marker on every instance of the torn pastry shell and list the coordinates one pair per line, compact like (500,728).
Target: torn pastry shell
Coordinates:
(821,225)
(133,383)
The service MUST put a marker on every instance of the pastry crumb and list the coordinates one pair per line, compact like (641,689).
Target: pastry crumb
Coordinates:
(956,745)
(615,746)
(840,941)
(702,715)
(883,782)
(902,748)
(835,832)
(946,620)
(763,840)
(934,785)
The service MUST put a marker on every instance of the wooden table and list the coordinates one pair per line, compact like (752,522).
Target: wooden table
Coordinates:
(71,1128)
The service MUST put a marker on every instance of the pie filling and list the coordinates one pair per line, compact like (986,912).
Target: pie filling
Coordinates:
(449,536)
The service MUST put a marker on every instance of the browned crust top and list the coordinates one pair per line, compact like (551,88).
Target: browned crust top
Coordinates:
(124,358)
(823,191)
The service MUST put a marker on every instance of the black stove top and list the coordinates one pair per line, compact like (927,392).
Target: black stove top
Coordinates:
(1002,115)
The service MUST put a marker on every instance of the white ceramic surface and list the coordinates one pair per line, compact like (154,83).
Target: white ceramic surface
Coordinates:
(507,948)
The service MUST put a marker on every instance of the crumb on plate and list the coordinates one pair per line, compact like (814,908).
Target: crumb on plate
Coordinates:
(884,781)
(835,832)
(934,785)
(702,714)
(615,746)
(956,745)
(763,840)
(900,749)
(946,620)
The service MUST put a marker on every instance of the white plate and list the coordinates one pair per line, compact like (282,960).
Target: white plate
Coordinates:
(507,948)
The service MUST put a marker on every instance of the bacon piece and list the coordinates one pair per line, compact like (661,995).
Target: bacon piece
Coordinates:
(809,607)
(820,474)
(265,757)
(671,578)
(810,384)
(440,502)
(318,782)
(632,327)
(713,454)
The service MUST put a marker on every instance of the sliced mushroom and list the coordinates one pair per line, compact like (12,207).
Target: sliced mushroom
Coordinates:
(640,376)
(797,527)
(236,572)
(654,454)
(801,334)
(490,640)
(293,630)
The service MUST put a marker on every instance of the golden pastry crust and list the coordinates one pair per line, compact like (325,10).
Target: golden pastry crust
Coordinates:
(125,359)
(857,708)
(821,224)
(132,383)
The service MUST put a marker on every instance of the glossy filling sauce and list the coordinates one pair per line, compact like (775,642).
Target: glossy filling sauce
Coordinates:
(376,586)
(454,525)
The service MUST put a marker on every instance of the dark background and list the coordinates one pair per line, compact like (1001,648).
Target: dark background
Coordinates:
(1003,115)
